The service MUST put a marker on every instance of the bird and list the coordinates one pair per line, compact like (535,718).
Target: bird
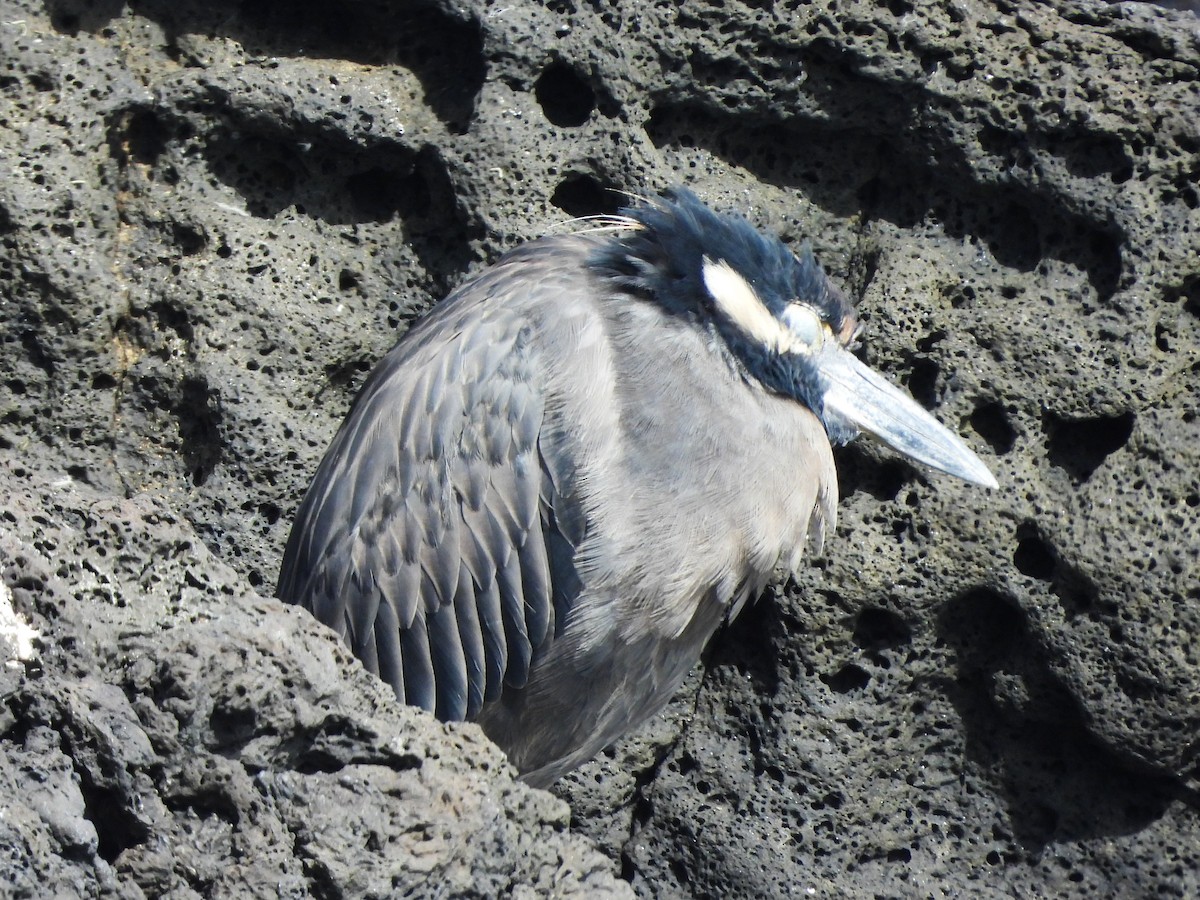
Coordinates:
(564,478)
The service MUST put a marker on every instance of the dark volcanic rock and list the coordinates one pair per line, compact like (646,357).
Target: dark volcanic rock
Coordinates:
(182,736)
(213,222)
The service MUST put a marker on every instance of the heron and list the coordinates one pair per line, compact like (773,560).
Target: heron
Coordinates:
(562,480)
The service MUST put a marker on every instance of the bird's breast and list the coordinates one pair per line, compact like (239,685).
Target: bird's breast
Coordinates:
(697,482)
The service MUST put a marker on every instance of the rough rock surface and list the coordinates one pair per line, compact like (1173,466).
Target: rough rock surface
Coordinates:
(213,222)
(181,736)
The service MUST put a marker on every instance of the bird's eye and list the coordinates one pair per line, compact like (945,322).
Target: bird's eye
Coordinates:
(805,326)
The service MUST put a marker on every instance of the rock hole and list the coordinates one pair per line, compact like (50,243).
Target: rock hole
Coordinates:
(585,195)
(145,137)
(1034,557)
(922,381)
(117,829)
(199,417)
(848,678)
(190,239)
(1080,446)
(990,422)
(876,628)
(862,468)
(567,100)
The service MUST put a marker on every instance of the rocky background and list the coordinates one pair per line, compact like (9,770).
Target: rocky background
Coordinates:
(213,221)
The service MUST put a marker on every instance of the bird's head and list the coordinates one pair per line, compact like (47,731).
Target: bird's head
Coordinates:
(781,318)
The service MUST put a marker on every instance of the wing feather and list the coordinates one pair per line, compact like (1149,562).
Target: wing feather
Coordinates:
(388,652)
(516,629)
(491,622)
(427,537)
(449,663)
(419,684)
(535,583)
(471,636)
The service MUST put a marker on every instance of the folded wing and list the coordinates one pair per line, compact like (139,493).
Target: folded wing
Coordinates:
(428,537)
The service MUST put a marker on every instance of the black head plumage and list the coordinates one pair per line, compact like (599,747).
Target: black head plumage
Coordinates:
(662,258)
(676,232)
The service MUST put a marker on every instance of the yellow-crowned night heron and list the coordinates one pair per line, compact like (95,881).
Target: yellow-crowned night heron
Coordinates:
(562,480)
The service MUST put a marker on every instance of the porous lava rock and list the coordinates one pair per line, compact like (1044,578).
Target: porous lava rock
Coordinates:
(215,218)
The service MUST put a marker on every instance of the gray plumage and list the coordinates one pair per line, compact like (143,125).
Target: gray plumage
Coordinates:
(559,484)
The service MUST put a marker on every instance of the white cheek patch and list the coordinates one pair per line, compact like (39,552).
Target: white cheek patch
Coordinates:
(738,302)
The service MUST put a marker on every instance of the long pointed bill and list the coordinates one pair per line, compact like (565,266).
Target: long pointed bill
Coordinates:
(866,400)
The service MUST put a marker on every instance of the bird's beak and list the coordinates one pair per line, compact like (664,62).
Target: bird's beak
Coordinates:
(866,400)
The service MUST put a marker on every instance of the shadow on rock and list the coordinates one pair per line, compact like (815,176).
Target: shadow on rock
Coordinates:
(1029,734)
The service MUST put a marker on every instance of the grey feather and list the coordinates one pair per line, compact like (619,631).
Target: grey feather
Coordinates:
(388,655)
(419,684)
(471,637)
(477,528)
(536,585)
(516,629)
(491,623)
(449,663)
(421,506)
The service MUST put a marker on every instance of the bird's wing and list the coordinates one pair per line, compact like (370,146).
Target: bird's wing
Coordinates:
(430,536)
